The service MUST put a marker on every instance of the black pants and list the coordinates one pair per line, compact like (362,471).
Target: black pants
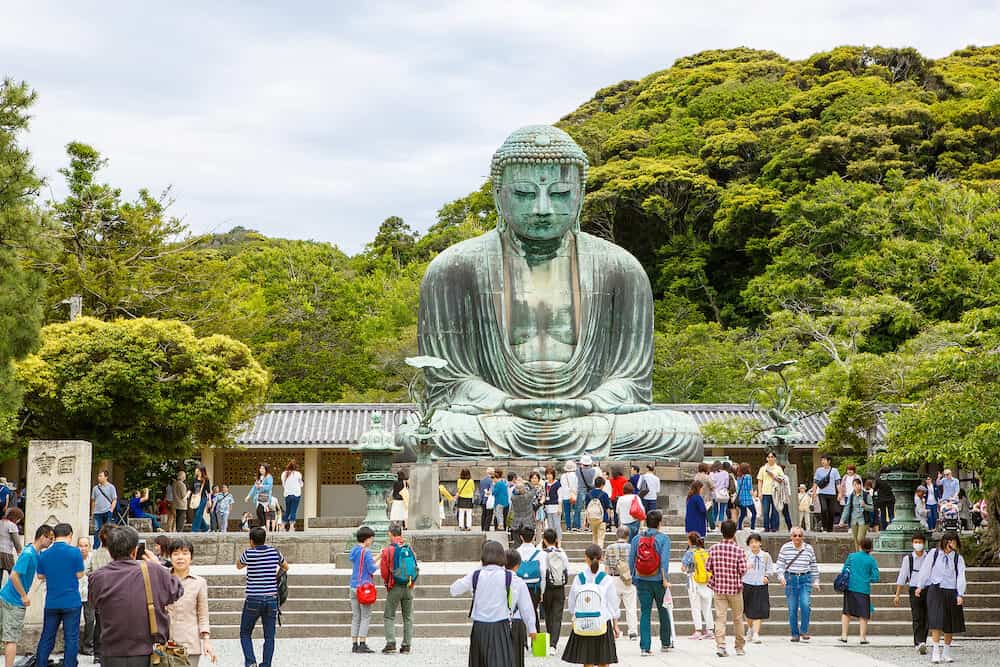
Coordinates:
(829,506)
(262,515)
(886,513)
(487,519)
(87,636)
(918,610)
(553,603)
(519,634)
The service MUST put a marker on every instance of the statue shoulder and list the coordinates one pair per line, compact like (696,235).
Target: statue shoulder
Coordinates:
(463,255)
(612,254)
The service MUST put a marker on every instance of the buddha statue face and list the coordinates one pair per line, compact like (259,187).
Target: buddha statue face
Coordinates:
(540,202)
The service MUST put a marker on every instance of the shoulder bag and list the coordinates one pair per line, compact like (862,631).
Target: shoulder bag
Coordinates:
(168,654)
(366,593)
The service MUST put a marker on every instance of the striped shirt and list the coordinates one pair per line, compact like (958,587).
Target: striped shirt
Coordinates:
(791,562)
(262,570)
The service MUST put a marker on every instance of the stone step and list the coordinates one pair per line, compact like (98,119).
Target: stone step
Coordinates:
(342,602)
(771,628)
(438,616)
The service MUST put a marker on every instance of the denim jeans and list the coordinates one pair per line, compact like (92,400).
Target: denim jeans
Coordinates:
(650,593)
(578,509)
(266,609)
(70,619)
(649,504)
(152,519)
(744,509)
(798,590)
(567,512)
(886,513)
(291,509)
(633,529)
(932,516)
(199,525)
(721,509)
(769,515)
(100,518)
(221,521)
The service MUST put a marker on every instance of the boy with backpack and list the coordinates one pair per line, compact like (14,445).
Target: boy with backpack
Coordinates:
(616,566)
(699,594)
(649,560)
(400,571)
(532,570)
(598,508)
(554,595)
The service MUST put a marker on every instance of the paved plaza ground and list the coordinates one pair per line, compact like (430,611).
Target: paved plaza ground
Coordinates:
(821,652)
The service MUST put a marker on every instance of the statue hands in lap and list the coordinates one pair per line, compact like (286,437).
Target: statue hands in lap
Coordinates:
(547,330)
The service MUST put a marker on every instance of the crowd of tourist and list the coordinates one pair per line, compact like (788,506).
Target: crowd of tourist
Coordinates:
(98,591)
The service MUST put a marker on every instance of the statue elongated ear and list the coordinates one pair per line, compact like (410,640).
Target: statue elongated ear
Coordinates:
(501,221)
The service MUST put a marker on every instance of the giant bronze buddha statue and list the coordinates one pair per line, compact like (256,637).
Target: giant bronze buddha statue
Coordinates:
(547,331)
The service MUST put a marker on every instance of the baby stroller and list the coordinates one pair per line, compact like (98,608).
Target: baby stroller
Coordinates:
(948,510)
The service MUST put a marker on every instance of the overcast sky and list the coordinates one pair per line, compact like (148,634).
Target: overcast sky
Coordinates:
(305,121)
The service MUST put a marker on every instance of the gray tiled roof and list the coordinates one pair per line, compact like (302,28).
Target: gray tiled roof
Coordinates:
(333,425)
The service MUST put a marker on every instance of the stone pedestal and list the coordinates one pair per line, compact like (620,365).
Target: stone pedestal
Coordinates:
(58,485)
(424,511)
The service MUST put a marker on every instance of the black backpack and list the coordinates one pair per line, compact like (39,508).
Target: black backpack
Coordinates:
(282,591)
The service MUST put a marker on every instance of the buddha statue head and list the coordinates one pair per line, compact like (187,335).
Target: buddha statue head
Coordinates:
(539,175)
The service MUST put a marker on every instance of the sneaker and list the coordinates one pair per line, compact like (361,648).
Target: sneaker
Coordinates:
(695,635)
(721,651)
(922,649)
(794,639)
(756,639)
(935,654)
(946,654)
(405,648)
(806,638)
(354,648)
(364,648)
(552,650)
(632,637)
(664,649)
(389,648)
(646,654)
(740,651)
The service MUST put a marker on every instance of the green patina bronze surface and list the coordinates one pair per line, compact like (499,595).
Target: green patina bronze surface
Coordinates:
(377,449)
(896,537)
(547,331)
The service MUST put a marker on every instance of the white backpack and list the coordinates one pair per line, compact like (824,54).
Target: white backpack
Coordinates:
(556,575)
(589,607)
(595,510)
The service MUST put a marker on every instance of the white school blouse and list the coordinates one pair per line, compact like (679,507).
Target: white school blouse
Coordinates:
(941,572)
(608,593)
(490,604)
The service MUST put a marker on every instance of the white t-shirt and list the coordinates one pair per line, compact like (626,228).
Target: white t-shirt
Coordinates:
(652,484)
(624,505)
(291,482)
(847,484)
(567,485)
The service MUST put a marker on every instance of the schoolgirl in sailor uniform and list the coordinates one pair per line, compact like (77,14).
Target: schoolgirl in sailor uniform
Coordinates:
(496,594)
(942,582)
(599,650)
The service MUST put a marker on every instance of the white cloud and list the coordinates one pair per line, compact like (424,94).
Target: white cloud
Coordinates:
(319,122)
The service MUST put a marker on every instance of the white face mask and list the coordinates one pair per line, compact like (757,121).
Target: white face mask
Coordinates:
(918,546)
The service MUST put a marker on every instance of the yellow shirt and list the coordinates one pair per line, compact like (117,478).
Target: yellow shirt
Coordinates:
(766,481)
(465,488)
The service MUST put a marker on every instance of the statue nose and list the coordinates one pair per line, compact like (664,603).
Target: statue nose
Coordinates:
(543,204)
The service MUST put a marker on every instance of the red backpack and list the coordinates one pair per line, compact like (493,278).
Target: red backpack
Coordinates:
(647,558)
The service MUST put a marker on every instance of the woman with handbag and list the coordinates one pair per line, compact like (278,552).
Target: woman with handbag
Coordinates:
(363,591)
(862,571)
(189,626)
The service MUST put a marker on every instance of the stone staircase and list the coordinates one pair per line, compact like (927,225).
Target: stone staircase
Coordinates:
(319,606)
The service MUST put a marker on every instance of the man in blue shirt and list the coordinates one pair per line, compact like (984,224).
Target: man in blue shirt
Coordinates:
(650,585)
(103,498)
(61,567)
(14,596)
(262,563)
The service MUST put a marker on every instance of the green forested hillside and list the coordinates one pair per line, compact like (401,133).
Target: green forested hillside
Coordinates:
(843,210)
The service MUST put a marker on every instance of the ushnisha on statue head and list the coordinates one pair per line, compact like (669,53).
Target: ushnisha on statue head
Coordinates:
(539,176)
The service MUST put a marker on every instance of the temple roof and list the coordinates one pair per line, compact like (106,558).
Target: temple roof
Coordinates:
(339,425)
